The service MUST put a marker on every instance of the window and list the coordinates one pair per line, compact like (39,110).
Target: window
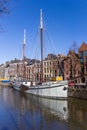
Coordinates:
(47,70)
(44,63)
(44,70)
(86,65)
(85,53)
(81,61)
(55,73)
(86,60)
(44,77)
(47,63)
(81,54)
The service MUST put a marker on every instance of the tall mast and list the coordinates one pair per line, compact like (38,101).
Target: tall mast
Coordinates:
(41,40)
(24,44)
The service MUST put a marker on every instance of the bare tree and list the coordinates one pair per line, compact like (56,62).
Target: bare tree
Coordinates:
(74,47)
(74,61)
(4,6)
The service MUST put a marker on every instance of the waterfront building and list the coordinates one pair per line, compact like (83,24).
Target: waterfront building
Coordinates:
(30,72)
(12,71)
(53,67)
(47,69)
(33,71)
(2,70)
(83,60)
(7,72)
(72,68)
(16,70)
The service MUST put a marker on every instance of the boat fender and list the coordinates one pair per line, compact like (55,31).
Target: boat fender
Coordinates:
(71,83)
(64,88)
(25,82)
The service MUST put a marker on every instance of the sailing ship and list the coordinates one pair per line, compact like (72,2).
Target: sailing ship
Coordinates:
(50,89)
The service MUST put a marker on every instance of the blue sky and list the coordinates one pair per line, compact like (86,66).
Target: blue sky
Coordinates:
(64,20)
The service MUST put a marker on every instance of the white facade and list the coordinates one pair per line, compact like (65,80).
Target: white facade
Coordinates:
(7,72)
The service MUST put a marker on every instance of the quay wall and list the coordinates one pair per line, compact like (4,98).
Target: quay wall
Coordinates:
(4,84)
(77,92)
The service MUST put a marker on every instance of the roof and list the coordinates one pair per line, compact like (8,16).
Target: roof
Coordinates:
(72,53)
(83,47)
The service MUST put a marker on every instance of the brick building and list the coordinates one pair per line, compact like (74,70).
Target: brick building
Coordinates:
(72,68)
(16,70)
(53,66)
(83,60)
(33,72)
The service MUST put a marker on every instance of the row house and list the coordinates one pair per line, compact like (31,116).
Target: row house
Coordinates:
(50,69)
(2,71)
(33,72)
(72,67)
(47,69)
(21,69)
(58,67)
(7,72)
(13,70)
(37,71)
(16,70)
(53,67)
(83,60)
(66,66)
(30,72)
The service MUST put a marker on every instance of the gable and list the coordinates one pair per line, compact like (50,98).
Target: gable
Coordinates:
(83,47)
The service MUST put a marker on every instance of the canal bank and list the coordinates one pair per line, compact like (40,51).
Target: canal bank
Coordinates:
(5,84)
(78,91)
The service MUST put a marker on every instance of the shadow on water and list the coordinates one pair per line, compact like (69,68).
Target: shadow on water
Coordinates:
(20,111)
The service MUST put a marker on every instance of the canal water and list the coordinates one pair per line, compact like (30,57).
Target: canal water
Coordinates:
(24,112)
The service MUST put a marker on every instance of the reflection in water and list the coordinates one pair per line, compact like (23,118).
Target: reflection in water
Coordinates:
(55,107)
(77,114)
(24,112)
